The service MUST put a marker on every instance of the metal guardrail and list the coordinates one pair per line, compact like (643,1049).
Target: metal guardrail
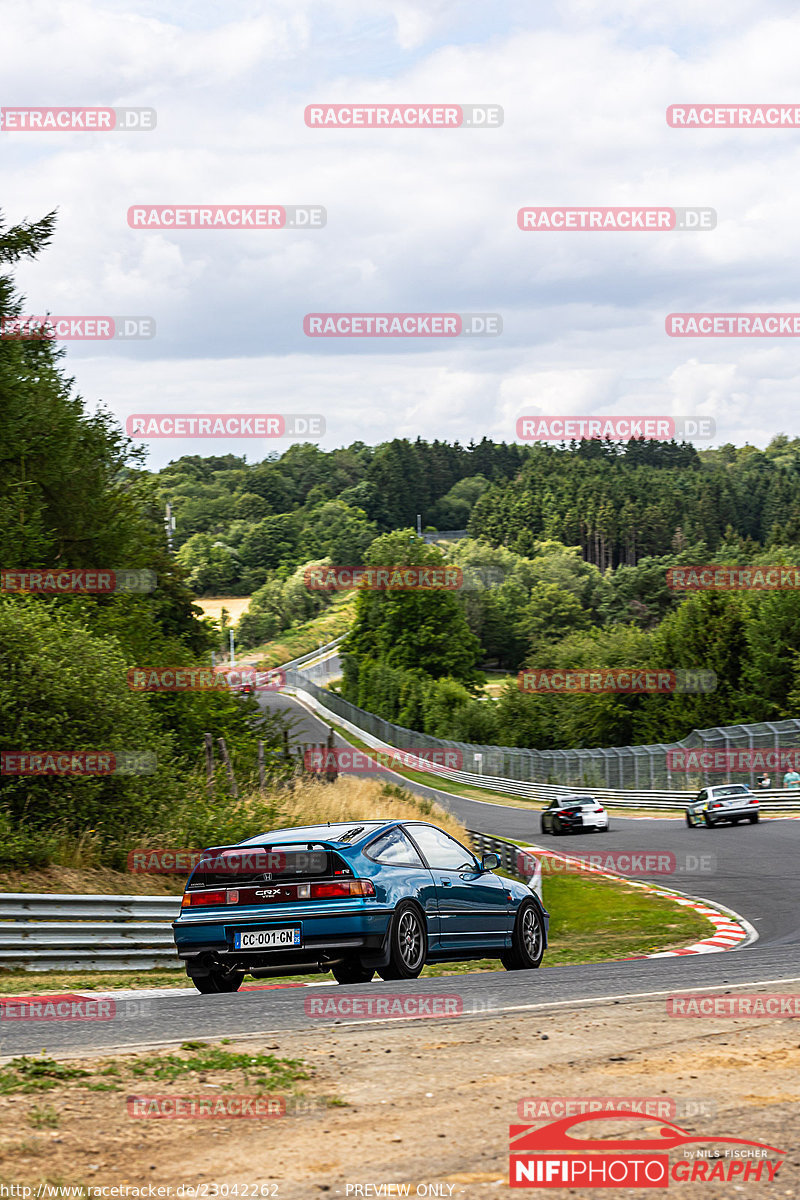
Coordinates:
(512,858)
(366,726)
(122,933)
(86,933)
(642,769)
(296,663)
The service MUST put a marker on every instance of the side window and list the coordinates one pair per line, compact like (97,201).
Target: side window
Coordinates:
(394,847)
(703,796)
(442,852)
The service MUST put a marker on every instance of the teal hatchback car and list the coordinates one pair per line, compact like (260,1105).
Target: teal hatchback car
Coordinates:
(353,899)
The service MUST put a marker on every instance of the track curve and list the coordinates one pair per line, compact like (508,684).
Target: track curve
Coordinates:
(754,873)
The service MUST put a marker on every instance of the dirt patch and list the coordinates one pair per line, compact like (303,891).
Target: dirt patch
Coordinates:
(426,1104)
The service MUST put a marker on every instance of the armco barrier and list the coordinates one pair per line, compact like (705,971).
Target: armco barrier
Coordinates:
(511,858)
(380,734)
(86,933)
(299,663)
(124,933)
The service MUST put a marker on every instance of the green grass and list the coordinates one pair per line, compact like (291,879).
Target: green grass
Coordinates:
(302,639)
(265,1072)
(34,983)
(40,1074)
(43,1118)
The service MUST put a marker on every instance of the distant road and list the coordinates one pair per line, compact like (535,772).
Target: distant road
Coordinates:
(756,865)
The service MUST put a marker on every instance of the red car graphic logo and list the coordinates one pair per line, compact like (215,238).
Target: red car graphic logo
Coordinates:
(526,1139)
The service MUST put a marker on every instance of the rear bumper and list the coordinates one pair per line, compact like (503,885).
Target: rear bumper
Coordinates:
(730,814)
(327,934)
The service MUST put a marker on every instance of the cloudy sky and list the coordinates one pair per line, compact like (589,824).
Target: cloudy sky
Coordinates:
(417,220)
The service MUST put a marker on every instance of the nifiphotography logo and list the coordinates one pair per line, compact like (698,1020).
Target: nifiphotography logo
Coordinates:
(555,1157)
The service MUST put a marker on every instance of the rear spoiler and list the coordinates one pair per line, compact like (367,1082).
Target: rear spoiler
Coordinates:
(239,859)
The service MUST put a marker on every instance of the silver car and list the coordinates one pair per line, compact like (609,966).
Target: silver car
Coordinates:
(724,802)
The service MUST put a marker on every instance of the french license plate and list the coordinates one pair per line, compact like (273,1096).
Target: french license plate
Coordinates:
(266,939)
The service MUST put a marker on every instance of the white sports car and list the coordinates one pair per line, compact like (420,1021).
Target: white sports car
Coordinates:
(569,814)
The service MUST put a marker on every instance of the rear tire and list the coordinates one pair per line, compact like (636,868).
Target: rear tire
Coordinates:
(408,944)
(558,828)
(754,819)
(689,821)
(708,822)
(218,981)
(352,970)
(527,941)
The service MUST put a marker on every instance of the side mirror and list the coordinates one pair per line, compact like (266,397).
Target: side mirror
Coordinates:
(489,862)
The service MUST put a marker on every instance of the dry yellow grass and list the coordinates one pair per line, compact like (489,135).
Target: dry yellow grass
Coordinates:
(212,606)
(360,799)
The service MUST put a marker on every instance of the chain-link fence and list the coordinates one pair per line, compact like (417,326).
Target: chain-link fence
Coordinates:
(635,767)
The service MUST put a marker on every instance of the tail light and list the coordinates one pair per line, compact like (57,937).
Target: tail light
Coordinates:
(342,889)
(192,899)
(754,800)
(338,889)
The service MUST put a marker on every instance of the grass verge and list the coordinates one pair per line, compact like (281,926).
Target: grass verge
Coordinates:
(302,639)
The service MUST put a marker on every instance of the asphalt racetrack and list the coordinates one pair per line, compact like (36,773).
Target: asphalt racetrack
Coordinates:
(752,869)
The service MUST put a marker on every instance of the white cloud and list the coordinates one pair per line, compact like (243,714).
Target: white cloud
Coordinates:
(417,220)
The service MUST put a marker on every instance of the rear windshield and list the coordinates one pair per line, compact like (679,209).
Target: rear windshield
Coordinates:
(261,864)
(735,789)
(578,802)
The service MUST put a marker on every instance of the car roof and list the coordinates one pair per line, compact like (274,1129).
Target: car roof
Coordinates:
(334,831)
